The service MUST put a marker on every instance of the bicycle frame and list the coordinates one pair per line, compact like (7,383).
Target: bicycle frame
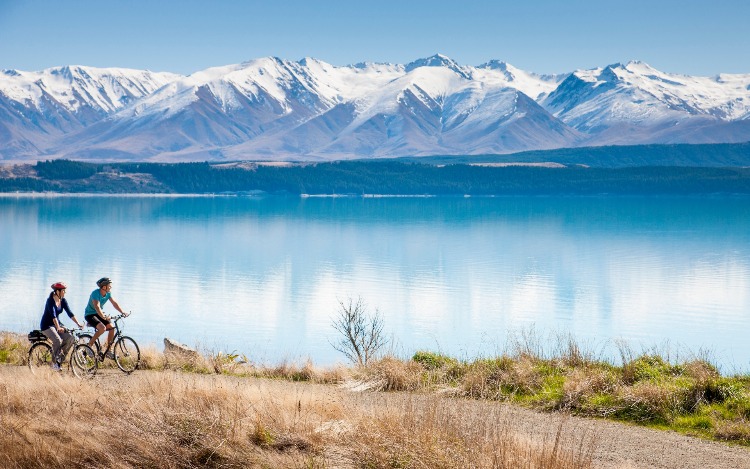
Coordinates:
(125,351)
(69,355)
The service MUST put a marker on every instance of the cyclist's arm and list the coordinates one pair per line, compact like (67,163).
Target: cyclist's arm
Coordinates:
(70,313)
(117,306)
(97,308)
(58,327)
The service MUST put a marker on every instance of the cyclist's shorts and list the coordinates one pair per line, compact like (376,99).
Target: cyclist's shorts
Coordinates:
(94,320)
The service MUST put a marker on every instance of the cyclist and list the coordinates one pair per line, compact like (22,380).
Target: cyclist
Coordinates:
(51,326)
(96,318)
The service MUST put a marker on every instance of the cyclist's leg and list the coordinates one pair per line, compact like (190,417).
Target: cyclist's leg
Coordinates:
(57,342)
(99,328)
(110,338)
(67,342)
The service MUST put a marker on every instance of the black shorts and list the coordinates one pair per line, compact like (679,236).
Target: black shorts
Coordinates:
(94,320)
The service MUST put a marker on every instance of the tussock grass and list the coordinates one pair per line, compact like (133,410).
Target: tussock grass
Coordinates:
(183,420)
(653,388)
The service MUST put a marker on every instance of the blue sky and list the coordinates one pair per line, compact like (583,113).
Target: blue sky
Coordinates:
(543,36)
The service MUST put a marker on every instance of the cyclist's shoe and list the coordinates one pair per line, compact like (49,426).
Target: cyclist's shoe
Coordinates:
(110,355)
(55,367)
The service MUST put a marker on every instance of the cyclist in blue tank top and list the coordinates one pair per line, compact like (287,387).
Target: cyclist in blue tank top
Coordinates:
(95,316)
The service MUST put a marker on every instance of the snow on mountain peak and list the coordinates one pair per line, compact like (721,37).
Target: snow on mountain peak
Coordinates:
(495,64)
(430,105)
(103,90)
(437,60)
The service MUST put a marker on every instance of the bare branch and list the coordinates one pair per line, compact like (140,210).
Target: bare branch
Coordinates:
(361,333)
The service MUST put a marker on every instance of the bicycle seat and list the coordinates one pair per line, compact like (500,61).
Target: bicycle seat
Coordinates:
(36,336)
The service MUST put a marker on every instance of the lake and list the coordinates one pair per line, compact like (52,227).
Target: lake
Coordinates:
(263,276)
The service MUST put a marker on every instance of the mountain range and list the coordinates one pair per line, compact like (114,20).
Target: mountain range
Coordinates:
(274,109)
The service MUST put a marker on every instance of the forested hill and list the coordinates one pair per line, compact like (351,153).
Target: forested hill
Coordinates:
(370,177)
(713,155)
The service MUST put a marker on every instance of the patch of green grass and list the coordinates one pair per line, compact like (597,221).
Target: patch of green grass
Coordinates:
(693,422)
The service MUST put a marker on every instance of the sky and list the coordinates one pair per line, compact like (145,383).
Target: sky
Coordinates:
(692,37)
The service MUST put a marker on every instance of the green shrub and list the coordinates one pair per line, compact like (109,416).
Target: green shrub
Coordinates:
(648,367)
(739,406)
(433,361)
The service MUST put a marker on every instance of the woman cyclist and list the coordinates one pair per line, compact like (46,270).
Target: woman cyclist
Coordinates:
(52,327)
(96,318)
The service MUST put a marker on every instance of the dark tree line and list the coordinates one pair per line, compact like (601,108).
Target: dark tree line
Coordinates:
(386,177)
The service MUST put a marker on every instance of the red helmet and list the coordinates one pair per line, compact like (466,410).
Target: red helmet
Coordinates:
(59,286)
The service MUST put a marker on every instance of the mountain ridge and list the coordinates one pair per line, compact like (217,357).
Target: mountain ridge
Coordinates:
(271,108)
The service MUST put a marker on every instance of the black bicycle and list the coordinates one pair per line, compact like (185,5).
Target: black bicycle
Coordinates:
(125,351)
(83,361)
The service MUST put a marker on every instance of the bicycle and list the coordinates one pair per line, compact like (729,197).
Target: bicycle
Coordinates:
(83,361)
(125,350)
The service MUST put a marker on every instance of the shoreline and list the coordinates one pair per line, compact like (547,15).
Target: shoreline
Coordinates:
(260,195)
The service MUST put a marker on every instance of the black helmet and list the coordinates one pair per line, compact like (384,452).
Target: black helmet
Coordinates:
(103,281)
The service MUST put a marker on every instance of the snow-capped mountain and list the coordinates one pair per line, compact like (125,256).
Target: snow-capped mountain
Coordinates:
(37,108)
(271,108)
(635,103)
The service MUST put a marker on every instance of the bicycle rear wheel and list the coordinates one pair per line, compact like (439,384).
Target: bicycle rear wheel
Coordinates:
(127,354)
(83,361)
(40,356)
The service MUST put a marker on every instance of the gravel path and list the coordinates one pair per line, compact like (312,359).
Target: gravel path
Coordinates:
(630,447)
(617,445)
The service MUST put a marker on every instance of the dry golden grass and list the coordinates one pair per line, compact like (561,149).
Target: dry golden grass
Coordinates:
(177,420)
(691,397)
(13,348)
(582,384)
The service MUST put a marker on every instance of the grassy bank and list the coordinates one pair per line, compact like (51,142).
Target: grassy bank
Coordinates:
(178,419)
(689,396)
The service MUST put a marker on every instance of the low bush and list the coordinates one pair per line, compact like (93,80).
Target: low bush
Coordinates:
(434,361)
(648,367)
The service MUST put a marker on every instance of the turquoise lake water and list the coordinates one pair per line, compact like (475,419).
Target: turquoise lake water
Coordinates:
(263,276)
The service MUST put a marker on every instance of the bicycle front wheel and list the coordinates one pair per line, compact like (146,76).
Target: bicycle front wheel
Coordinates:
(40,356)
(83,361)
(127,354)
